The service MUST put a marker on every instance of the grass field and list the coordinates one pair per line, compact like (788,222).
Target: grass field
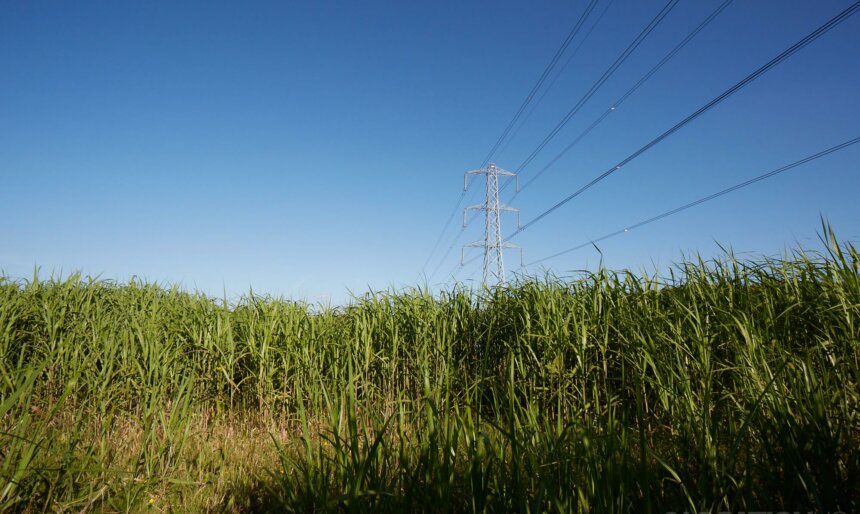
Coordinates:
(728,385)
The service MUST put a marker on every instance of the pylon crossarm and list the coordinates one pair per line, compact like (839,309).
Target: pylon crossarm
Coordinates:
(476,207)
(510,246)
(466,178)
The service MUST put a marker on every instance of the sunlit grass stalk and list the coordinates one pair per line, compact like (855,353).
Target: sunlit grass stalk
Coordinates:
(726,385)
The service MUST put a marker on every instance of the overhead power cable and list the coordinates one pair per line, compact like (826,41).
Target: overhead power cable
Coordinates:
(444,229)
(460,267)
(448,251)
(615,105)
(603,78)
(833,22)
(571,35)
(594,88)
(546,72)
(555,78)
(704,199)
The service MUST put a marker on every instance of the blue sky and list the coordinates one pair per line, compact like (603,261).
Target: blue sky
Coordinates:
(308,149)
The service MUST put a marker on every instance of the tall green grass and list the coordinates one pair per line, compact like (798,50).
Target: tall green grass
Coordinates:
(729,385)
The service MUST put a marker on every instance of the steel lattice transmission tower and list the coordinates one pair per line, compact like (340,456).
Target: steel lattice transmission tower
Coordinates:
(493,245)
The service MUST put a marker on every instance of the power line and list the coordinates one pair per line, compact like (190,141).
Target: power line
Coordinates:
(555,58)
(603,78)
(555,78)
(444,229)
(703,199)
(571,35)
(833,22)
(448,251)
(594,88)
(615,105)
(471,276)
(460,267)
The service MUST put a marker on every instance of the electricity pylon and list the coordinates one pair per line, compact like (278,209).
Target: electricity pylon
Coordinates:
(494,264)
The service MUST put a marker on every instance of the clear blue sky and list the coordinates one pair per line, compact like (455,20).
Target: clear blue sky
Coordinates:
(310,148)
